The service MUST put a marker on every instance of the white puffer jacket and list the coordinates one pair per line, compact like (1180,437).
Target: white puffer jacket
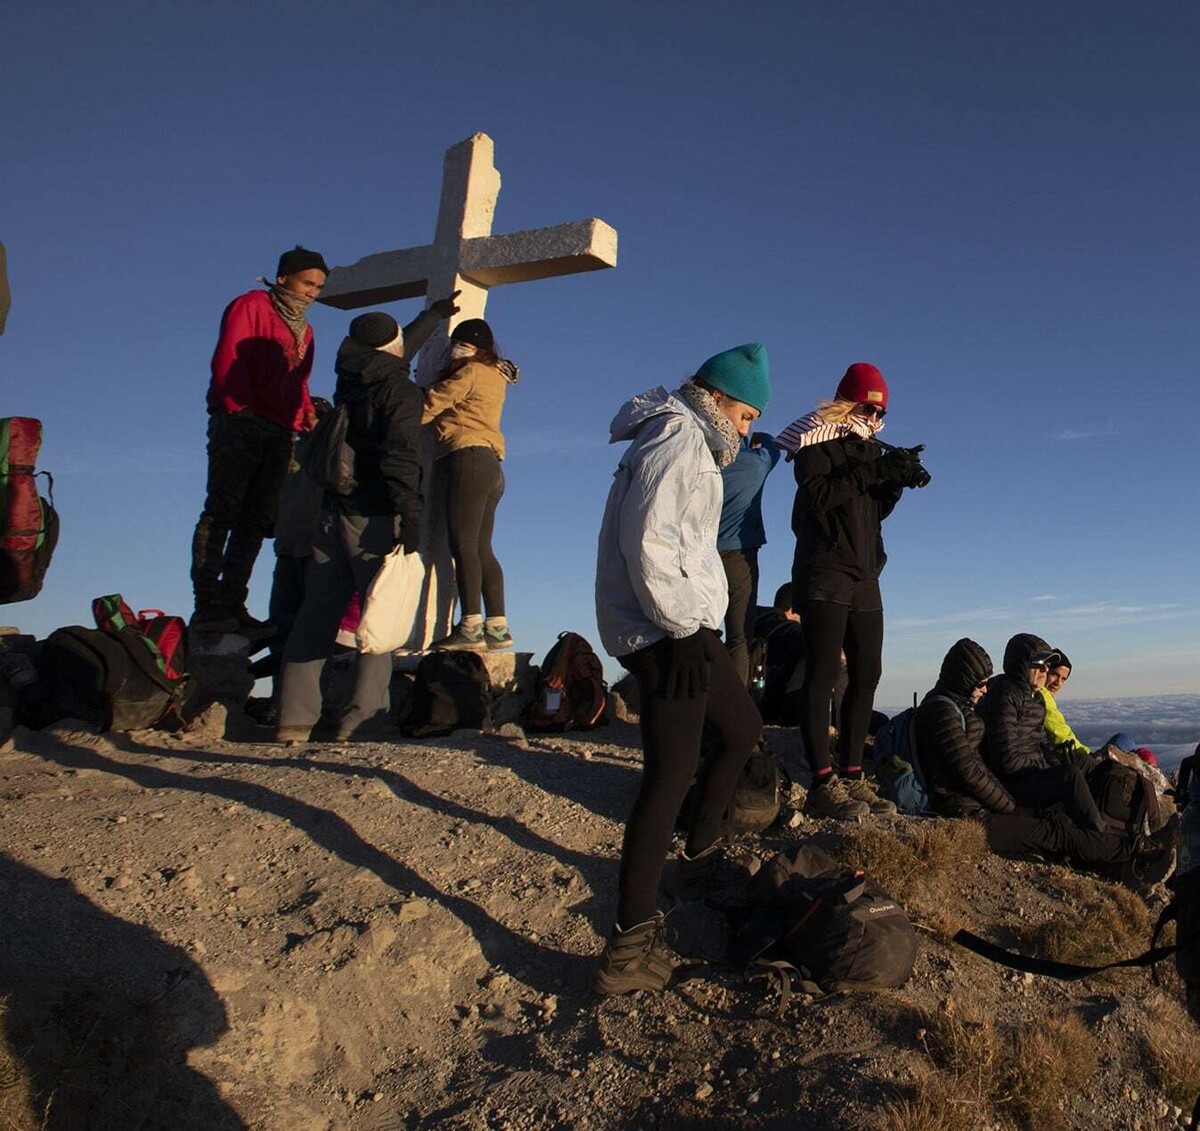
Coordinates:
(658,572)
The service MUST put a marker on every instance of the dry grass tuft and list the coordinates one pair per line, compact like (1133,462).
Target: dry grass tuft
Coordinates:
(1044,1064)
(1172,1048)
(16,1089)
(1099,922)
(980,1073)
(934,1107)
(923,866)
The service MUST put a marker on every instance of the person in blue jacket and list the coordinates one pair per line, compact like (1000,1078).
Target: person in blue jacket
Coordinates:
(739,537)
(661,594)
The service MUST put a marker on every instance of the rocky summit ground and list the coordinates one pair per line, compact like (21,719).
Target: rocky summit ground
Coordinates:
(200,933)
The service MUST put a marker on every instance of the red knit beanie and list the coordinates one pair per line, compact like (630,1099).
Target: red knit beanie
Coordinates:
(863,384)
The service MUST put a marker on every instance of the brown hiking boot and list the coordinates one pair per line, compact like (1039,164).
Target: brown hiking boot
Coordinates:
(862,790)
(635,959)
(833,800)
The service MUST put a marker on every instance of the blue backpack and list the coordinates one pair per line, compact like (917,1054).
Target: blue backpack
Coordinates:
(897,764)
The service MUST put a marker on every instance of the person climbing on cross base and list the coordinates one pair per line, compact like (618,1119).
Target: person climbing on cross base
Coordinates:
(257,401)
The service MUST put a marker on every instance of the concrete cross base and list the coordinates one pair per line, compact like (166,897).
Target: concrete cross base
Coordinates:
(513,677)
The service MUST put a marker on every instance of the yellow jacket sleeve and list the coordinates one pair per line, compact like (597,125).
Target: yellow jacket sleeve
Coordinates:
(1057,728)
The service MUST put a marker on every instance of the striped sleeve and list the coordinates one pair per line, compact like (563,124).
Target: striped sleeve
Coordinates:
(810,429)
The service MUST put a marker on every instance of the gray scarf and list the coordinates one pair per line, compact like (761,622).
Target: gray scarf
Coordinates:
(292,308)
(701,402)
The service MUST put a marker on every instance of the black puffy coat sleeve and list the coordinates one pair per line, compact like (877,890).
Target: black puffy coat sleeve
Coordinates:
(398,418)
(1009,742)
(887,495)
(961,754)
(823,486)
(948,746)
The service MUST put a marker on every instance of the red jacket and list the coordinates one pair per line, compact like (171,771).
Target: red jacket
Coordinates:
(256,365)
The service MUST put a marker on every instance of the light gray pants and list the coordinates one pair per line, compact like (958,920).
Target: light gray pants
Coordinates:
(347,553)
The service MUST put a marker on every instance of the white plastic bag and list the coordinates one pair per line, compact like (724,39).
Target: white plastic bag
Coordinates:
(391,603)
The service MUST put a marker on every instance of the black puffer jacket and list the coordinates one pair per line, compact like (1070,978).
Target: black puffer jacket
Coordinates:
(841,502)
(1014,713)
(384,431)
(959,782)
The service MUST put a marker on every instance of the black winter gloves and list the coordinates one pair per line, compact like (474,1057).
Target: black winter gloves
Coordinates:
(903,467)
(685,674)
(410,535)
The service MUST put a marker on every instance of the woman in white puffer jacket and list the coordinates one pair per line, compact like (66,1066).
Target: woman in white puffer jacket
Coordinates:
(661,595)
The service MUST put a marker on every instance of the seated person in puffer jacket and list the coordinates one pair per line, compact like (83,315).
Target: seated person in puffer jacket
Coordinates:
(948,736)
(1014,715)
(961,785)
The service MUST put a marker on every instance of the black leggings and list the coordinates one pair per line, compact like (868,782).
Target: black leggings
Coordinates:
(474,486)
(828,629)
(671,730)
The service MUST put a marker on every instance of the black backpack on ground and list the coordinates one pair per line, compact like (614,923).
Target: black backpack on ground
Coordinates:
(110,679)
(452,692)
(820,927)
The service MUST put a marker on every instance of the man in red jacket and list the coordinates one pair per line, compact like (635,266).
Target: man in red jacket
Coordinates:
(257,401)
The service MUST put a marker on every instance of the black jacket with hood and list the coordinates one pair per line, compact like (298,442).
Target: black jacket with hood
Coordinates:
(384,426)
(841,502)
(948,739)
(1014,713)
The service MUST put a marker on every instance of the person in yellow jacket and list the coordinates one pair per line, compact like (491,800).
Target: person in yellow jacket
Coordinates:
(1058,731)
(464,405)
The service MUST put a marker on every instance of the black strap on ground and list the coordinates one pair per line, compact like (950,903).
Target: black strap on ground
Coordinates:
(1194,1125)
(1063,971)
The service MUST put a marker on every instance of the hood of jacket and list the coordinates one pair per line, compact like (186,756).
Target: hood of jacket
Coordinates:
(358,367)
(634,413)
(966,665)
(1018,654)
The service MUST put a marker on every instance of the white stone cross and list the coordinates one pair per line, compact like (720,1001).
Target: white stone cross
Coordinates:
(464,257)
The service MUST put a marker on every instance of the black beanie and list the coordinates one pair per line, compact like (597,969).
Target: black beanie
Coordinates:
(475,332)
(300,259)
(374,329)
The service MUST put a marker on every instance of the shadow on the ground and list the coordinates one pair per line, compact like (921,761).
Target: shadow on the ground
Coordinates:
(504,948)
(101,1015)
(604,787)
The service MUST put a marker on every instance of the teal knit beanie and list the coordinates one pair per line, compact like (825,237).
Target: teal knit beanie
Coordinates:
(742,373)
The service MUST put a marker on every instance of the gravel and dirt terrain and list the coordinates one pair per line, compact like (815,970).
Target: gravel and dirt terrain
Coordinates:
(204,933)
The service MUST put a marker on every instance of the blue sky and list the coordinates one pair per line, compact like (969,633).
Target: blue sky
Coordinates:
(993,203)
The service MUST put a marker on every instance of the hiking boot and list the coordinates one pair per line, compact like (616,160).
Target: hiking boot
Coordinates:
(372,732)
(256,631)
(833,800)
(214,618)
(497,639)
(292,736)
(862,790)
(1147,868)
(462,639)
(635,959)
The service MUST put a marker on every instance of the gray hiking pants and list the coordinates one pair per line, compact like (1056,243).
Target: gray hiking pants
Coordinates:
(347,553)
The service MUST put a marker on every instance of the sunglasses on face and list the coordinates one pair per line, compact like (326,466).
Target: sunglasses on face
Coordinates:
(873,410)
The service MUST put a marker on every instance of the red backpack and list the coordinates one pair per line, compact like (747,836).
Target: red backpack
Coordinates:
(28,523)
(165,636)
(571,692)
